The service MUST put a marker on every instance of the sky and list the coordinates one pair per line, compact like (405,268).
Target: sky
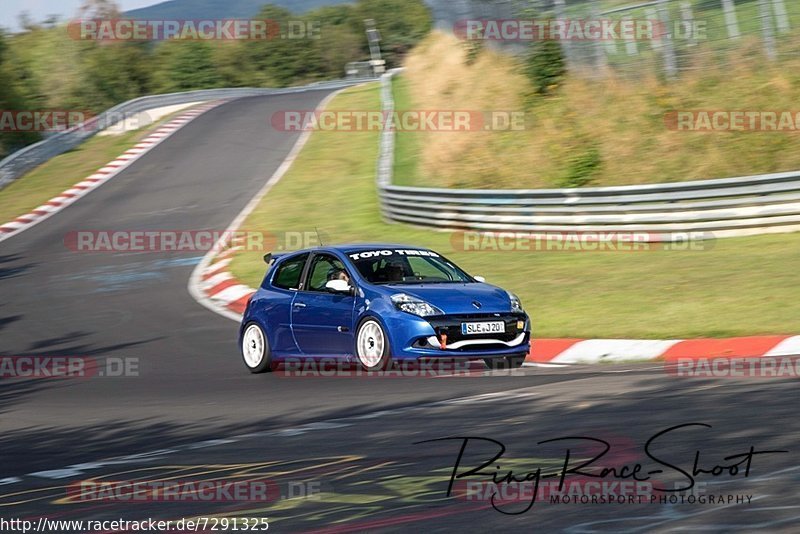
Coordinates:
(39,9)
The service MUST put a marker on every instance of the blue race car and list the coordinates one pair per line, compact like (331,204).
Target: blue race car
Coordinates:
(373,304)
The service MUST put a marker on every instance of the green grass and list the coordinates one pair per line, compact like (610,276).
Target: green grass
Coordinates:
(65,170)
(407,144)
(740,286)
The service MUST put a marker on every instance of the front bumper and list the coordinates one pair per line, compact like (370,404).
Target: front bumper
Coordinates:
(441,337)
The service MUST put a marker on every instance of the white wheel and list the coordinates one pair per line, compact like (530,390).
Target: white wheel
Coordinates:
(255,351)
(372,347)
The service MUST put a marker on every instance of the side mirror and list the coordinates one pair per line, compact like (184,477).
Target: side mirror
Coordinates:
(479,279)
(338,286)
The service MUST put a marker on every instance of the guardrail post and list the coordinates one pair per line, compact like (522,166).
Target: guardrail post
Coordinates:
(385,164)
(687,22)
(765,12)
(670,67)
(730,19)
(631,47)
(600,59)
(781,16)
(560,6)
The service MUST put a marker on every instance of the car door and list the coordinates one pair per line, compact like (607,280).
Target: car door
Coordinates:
(284,285)
(322,321)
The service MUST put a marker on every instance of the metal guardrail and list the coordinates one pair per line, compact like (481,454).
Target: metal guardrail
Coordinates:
(727,207)
(27,158)
(386,143)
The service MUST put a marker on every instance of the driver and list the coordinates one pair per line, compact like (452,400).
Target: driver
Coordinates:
(395,272)
(338,274)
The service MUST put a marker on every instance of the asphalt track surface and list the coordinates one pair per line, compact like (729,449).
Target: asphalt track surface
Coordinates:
(194,413)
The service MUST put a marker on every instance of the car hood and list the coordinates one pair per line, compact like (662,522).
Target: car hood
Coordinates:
(458,298)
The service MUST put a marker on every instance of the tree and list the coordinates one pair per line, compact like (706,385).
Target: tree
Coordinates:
(545,66)
(338,46)
(111,73)
(402,24)
(11,100)
(186,65)
(231,65)
(99,9)
(341,37)
(280,62)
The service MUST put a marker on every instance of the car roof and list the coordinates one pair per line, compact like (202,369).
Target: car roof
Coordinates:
(350,248)
(359,247)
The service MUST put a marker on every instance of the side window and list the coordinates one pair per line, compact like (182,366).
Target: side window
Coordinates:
(289,273)
(325,267)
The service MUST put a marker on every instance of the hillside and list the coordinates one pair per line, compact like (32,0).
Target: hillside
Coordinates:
(603,131)
(222,9)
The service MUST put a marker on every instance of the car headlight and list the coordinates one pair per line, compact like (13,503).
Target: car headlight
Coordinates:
(516,304)
(415,306)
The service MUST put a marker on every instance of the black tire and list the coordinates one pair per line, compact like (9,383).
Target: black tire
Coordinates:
(371,329)
(257,355)
(517,360)
(507,362)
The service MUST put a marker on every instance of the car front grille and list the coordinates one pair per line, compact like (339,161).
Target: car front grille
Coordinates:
(451,326)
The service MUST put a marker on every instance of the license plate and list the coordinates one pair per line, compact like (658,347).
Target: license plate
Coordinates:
(489,327)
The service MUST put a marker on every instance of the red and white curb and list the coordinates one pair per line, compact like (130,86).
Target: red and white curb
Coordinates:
(588,351)
(222,288)
(104,174)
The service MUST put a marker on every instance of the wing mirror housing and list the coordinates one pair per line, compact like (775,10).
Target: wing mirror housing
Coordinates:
(339,286)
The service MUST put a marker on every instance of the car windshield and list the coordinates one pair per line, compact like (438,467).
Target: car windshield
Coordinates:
(402,266)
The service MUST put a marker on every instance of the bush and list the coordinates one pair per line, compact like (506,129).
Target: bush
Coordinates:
(583,167)
(545,66)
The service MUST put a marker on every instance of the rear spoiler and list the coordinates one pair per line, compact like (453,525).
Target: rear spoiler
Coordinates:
(270,257)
